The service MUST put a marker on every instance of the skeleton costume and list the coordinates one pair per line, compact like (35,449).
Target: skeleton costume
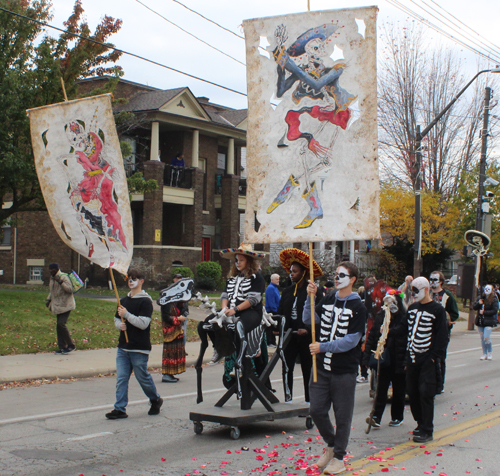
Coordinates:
(427,341)
(342,323)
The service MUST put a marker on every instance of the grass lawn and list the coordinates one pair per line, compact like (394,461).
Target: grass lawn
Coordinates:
(27,326)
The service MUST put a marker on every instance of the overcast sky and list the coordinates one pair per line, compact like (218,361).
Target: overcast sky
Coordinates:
(148,35)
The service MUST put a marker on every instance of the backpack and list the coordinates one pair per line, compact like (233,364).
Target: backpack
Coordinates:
(75,280)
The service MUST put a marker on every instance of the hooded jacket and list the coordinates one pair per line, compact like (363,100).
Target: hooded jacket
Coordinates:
(61,294)
(342,323)
(489,317)
(138,319)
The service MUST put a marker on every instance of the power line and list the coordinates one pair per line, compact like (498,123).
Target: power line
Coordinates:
(108,46)
(190,34)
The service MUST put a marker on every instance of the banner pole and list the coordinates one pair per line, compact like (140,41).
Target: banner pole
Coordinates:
(117,298)
(313,314)
(64,89)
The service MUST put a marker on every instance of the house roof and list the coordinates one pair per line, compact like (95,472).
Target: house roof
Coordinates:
(150,100)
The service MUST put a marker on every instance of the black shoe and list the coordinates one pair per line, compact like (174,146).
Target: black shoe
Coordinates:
(422,437)
(59,351)
(66,350)
(71,348)
(155,406)
(169,379)
(396,422)
(116,414)
(373,421)
(416,431)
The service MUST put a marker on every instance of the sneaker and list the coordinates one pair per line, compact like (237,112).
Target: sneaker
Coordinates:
(373,421)
(490,356)
(71,347)
(116,414)
(396,422)
(422,437)
(66,350)
(59,351)
(336,466)
(155,406)
(326,457)
(483,357)
(362,379)
(215,358)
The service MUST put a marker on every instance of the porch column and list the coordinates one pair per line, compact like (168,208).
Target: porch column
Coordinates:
(155,140)
(230,157)
(196,149)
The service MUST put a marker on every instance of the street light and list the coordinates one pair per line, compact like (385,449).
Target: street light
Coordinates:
(417,262)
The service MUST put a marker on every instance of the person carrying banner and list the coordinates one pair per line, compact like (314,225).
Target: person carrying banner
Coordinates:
(296,262)
(134,316)
(342,318)
(61,302)
(427,341)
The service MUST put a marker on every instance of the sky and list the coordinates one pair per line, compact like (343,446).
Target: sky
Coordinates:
(146,34)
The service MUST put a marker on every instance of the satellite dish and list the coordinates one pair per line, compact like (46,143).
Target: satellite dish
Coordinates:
(478,240)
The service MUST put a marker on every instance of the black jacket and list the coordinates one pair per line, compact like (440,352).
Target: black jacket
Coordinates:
(489,318)
(285,306)
(396,340)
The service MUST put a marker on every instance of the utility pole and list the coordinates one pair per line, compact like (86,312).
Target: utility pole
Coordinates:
(480,194)
(417,258)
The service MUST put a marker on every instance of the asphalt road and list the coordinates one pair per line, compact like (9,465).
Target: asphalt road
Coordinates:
(60,430)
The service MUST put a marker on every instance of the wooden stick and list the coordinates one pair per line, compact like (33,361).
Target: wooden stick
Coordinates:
(64,92)
(117,298)
(313,313)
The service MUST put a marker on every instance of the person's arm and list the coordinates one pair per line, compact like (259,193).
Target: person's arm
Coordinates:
(342,344)
(316,84)
(438,349)
(66,285)
(477,305)
(493,311)
(306,313)
(142,321)
(452,308)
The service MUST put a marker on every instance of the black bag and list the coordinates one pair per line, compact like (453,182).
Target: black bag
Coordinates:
(385,360)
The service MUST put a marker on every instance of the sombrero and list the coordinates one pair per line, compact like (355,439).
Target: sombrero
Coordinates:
(322,32)
(244,249)
(294,255)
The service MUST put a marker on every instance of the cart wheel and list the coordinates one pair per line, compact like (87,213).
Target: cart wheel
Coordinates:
(235,432)
(198,427)
(309,423)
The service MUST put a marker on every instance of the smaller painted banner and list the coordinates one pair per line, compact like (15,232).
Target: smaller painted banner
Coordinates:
(81,174)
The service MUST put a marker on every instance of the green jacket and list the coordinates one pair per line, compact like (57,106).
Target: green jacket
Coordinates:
(450,305)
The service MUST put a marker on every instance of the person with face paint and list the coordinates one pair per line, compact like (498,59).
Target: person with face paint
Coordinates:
(448,301)
(427,340)
(136,310)
(291,306)
(394,371)
(341,318)
(486,319)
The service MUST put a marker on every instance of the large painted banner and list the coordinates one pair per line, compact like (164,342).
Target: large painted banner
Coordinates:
(312,127)
(81,174)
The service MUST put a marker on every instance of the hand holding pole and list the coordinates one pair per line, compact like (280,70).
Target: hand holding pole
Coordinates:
(117,299)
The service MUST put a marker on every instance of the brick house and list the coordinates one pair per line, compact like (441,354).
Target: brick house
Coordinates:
(180,224)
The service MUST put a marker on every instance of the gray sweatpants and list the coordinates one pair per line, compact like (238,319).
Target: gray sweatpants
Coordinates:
(335,390)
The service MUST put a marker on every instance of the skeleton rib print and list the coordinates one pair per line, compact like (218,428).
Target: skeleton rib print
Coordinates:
(237,289)
(334,325)
(420,326)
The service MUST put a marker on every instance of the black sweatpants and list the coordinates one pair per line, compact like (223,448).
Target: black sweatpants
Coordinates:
(385,377)
(299,345)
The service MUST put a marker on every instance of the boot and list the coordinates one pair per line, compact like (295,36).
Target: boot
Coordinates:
(315,211)
(285,193)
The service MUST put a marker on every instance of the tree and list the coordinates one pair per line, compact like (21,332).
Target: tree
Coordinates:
(415,85)
(30,72)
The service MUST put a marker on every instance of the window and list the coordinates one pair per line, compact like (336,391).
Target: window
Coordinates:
(5,234)
(36,273)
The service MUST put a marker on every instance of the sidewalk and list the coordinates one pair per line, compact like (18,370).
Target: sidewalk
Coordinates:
(89,363)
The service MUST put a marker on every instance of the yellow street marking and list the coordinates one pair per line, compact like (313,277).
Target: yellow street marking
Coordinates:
(410,449)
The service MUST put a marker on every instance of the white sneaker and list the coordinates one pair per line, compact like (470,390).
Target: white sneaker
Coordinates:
(361,379)
(336,466)
(490,356)
(326,457)
(483,357)
(215,358)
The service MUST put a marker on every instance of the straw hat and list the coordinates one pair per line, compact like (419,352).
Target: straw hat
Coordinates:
(294,255)
(244,249)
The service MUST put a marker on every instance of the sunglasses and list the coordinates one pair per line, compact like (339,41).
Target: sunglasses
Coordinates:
(341,276)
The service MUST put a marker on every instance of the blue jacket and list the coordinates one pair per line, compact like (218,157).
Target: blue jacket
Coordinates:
(272,298)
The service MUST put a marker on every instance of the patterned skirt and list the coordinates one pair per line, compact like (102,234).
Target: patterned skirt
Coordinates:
(174,356)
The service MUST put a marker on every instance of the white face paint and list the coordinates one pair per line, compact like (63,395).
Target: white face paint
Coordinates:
(488,290)
(434,281)
(133,283)
(342,278)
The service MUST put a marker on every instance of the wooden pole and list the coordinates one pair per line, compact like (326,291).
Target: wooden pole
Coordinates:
(117,298)
(64,89)
(313,313)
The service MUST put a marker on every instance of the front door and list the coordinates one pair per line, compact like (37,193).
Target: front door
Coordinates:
(205,249)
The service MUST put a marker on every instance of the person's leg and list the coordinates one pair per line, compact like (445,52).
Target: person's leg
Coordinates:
(384,379)
(427,389)
(443,361)
(412,378)
(123,372)
(480,331)
(250,319)
(290,352)
(398,396)
(185,326)
(487,341)
(342,390)
(305,363)
(63,336)
(321,403)
(140,365)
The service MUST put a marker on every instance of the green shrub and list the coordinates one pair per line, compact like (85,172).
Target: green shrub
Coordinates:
(184,270)
(209,274)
